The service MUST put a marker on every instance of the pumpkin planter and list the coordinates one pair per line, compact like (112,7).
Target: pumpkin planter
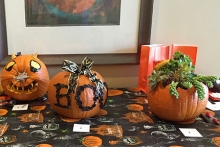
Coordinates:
(168,107)
(25,77)
(176,92)
(76,93)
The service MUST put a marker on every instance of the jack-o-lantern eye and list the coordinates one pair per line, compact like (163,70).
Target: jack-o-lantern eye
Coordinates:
(35,66)
(10,65)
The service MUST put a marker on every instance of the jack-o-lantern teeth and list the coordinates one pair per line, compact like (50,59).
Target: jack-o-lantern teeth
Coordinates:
(23,89)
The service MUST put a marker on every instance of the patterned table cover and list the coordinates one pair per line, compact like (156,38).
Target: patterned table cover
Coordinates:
(124,121)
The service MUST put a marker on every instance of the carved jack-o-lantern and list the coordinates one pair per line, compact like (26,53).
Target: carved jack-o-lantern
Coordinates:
(1,88)
(77,93)
(25,77)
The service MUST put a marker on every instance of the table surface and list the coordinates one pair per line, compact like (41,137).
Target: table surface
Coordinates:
(125,120)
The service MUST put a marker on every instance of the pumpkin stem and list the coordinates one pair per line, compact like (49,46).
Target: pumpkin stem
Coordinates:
(35,55)
(13,56)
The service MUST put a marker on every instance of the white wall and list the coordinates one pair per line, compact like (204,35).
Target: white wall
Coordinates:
(175,21)
(190,22)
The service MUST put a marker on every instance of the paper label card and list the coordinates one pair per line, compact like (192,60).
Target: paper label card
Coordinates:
(213,107)
(20,107)
(81,128)
(190,132)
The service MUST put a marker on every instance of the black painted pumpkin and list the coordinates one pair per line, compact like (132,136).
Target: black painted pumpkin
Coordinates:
(82,101)
(25,77)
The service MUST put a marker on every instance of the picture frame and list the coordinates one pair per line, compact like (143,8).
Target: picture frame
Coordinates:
(144,34)
(87,13)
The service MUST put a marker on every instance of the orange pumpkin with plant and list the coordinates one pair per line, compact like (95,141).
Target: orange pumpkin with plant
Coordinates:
(177,93)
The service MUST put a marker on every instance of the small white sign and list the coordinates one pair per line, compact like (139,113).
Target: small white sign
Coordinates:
(81,128)
(213,107)
(190,132)
(20,107)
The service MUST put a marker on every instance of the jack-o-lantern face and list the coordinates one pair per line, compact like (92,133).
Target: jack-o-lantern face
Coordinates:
(77,93)
(25,77)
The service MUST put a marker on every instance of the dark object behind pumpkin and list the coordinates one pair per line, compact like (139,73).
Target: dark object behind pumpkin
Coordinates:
(216,86)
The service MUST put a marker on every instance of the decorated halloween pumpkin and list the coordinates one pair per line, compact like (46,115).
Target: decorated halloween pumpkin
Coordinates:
(77,93)
(185,108)
(1,89)
(25,77)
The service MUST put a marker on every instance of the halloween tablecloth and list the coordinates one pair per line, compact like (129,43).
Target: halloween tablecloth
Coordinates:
(125,120)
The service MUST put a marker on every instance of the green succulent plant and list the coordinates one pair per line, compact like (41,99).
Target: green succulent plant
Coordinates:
(179,72)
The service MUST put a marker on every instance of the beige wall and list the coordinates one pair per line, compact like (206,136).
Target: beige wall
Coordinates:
(114,75)
(175,21)
(190,22)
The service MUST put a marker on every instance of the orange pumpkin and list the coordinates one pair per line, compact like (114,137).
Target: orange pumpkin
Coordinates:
(114,92)
(25,77)
(216,141)
(38,108)
(92,141)
(1,89)
(44,145)
(186,107)
(83,101)
(135,107)
(3,112)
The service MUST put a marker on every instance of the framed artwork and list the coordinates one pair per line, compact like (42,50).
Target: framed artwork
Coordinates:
(36,12)
(72,12)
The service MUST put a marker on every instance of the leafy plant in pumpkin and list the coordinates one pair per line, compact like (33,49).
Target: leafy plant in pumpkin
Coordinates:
(179,72)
